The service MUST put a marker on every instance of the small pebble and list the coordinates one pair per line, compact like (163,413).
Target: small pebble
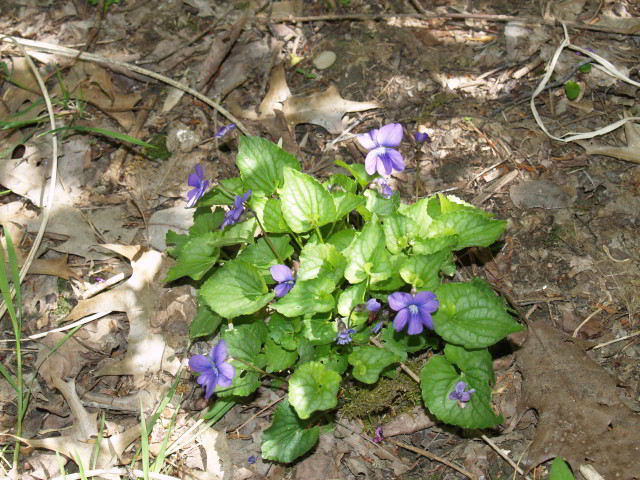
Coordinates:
(324,60)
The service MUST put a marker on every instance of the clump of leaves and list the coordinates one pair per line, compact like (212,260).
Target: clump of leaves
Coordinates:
(336,246)
(160,152)
(107,3)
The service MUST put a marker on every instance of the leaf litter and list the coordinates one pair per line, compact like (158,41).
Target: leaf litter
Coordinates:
(557,363)
(580,415)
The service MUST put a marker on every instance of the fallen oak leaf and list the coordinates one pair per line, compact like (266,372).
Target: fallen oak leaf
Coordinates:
(326,108)
(580,416)
(66,361)
(80,443)
(147,352)
(323,108)
(630,153)
(56,267)
(84,423)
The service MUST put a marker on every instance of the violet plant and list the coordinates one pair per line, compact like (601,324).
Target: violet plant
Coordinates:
(306,272)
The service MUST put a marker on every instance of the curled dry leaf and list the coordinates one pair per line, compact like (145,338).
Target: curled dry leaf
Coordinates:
(630,153)
(147,352)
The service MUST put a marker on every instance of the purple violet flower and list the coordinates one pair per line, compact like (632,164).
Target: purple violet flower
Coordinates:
(422,137)
(379,435)
(232,216)
(214,369)
(376,328)
(383,187)
(283,275)
(461,393)
(345,337)
(225,129)
(200,185)
(381,157)
(373,305)
(415,310)
(252,459)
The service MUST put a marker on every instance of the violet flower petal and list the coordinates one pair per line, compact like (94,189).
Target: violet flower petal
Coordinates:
(199,363)
(282,289)
(373,305)
(390,135)
(219,353)
(281,273)
(400,300)
(401,320)
(194,180)
(371,162)
(422,137)
(367,140)
(396,159)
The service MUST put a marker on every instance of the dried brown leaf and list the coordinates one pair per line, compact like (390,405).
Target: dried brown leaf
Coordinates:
(66,361)
(147,352)
(323,108)
(630,153)
(580,416)
(326,108)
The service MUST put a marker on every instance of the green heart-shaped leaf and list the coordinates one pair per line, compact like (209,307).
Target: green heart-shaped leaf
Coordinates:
(306,204)
(261,163)
(368,362)
(288,437)
(313,387)
(236,289)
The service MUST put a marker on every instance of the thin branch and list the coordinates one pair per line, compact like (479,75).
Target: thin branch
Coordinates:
(69,52)
(431,456)
(452,16)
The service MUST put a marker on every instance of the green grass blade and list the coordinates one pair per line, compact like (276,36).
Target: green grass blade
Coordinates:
(7,375)
(163,404)
(21,403)
(159,461)
(61,466)
(15,274)
(96,450)
(80,467)
(217,411)
(22,123)
(144,444)
(102,131)
(6,291)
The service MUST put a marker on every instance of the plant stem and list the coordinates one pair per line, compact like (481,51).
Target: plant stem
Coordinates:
(319,235)
(227,192)
(298,240)
(267,238)
(257,369)
(333,225)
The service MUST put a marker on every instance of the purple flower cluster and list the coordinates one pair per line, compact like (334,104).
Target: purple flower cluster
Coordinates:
(232,216)
(345,337)
(414,310)
(199,184)
(461,393)
(283,275)
(382,157)
(214,369)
